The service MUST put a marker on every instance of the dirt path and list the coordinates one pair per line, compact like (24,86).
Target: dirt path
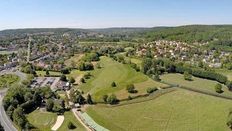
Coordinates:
(59,121)
(79,119)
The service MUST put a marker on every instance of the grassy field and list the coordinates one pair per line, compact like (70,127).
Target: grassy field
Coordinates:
(225,72)
(197,83)
(69,117)
(75,59)
(8,80)
(42,120)
(43,73)
(177,111)
(122,75)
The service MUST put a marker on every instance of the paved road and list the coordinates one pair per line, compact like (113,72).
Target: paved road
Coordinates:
(4,119)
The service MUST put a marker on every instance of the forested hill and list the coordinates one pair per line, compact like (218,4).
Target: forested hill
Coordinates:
(191,33)
(216,35)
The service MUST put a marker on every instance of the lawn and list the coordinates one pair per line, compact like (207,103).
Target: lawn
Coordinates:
(69,117)
(42,120)
(176,111)
(197,83)
(52,73)
(8,80)
(112,71)
(74,59)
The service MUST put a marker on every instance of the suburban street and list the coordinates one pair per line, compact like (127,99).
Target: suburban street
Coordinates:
(4,119)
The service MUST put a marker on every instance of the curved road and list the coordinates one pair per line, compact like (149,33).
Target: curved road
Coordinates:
(4,119)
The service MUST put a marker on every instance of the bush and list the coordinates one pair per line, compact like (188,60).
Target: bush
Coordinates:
(72,80)
(113,84)
(112,99)
(187,76)
(151,90)
(82,80)
(129,97)
(218,88)
(63,78)
(131,88)
(71,125)
(65,71)
(105,97)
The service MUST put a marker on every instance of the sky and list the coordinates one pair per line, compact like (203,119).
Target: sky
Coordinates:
(112,13)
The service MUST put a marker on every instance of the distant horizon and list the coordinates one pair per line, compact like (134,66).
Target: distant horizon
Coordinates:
(113,27)
(88,14)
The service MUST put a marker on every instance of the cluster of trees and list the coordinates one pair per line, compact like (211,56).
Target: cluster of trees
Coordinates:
(57,106)
(28,68)
(112,99)
(85,66)
(88,57)
(20,100)
(155,67)
(77,97)
(202,73)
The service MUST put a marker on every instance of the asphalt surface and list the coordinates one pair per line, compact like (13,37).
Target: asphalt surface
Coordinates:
(4,119)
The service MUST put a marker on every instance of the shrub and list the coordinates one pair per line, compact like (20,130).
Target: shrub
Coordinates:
(218,88)
(112,99)
(151,90)
(113,84)
(71,125)
(104,97)
(82,80)
(65,71)
(72,80)
(63,78)
(131,88)
(129,97)
(187,76)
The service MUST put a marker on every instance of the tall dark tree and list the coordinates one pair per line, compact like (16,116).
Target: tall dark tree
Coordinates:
(1,127)
(89,99)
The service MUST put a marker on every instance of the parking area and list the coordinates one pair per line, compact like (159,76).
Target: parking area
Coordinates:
(45,81)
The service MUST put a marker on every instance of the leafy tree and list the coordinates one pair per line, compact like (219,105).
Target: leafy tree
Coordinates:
(47,73)
(104,97)
(72,80)
(82,80)
(1,127)
(229,120)
(71,126)
(63,78)
(19,118)
(146,64)
(218,88)
(131,88)
(49,105)
(187,76)
(65,71)
(89,99)
(112,99)
(113,84)
(80,99)
(156,77)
